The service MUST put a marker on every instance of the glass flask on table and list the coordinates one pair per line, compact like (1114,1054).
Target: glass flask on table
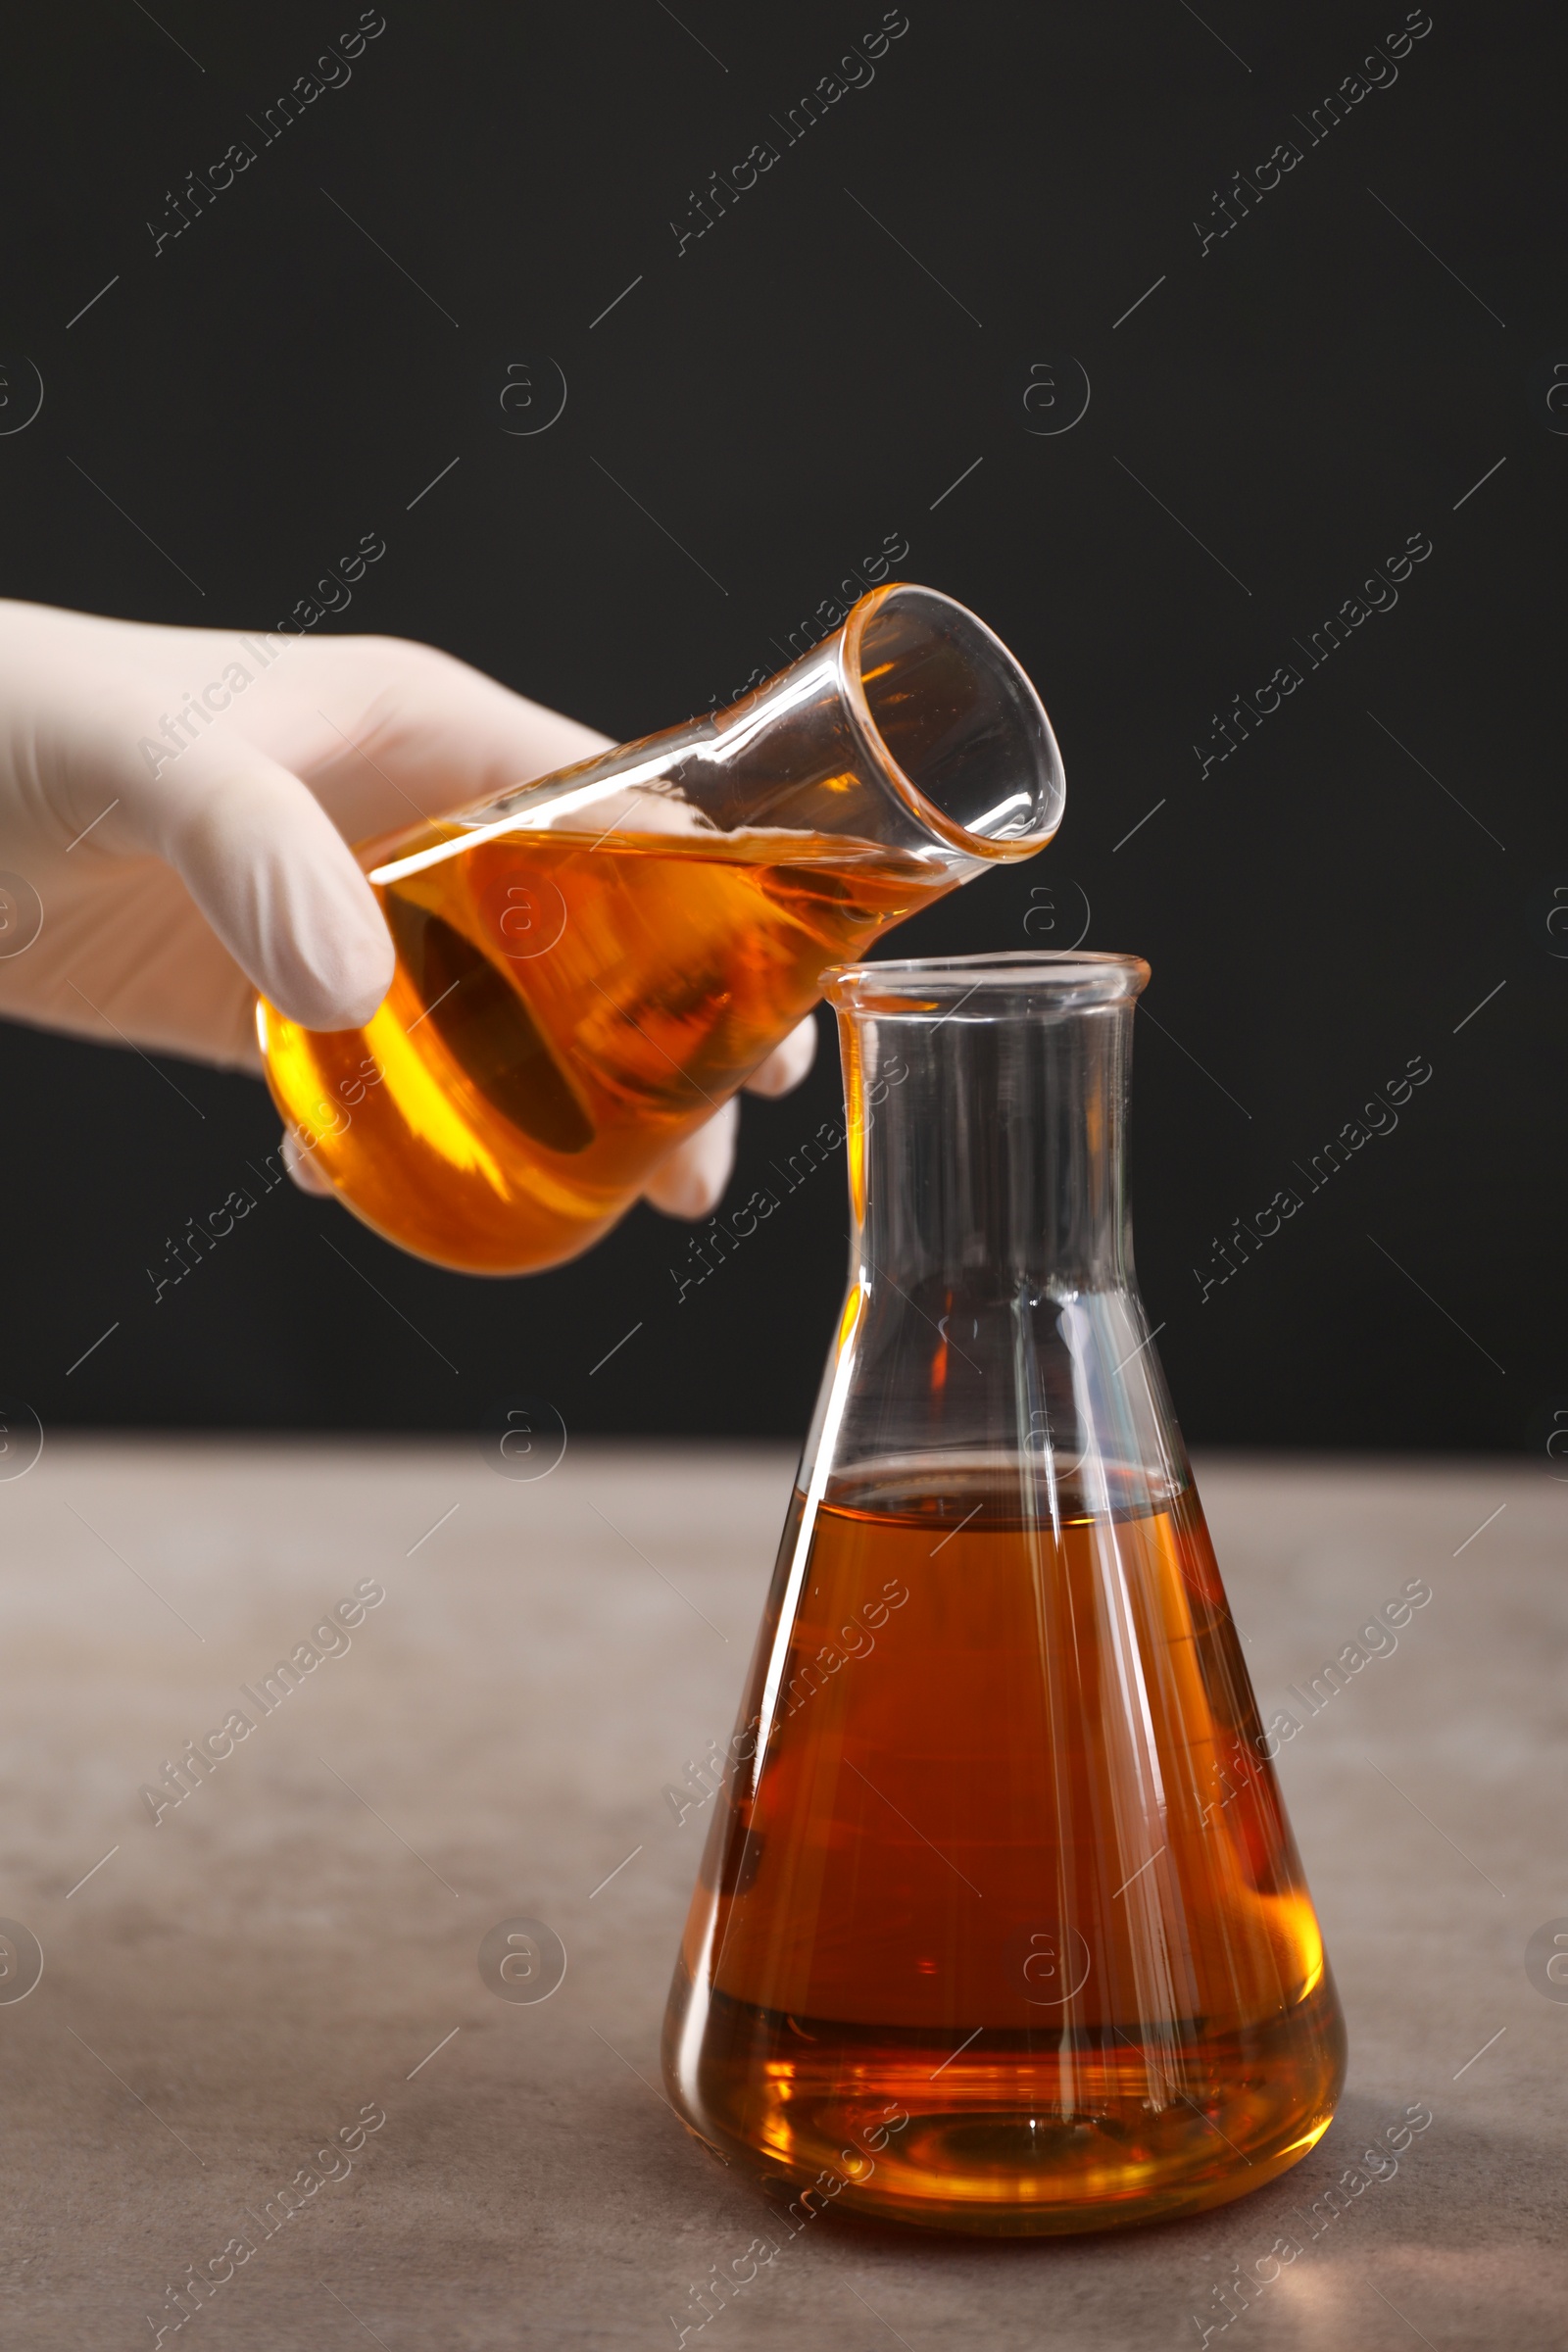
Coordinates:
(589,965)
(1001,1927)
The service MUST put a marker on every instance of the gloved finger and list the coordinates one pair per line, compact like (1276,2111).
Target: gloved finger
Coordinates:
(305,1168)
(692,1180)
(279,885)
(788,1063)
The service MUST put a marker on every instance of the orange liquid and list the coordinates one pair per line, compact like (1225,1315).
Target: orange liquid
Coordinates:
(1011,1937)
(565,1009)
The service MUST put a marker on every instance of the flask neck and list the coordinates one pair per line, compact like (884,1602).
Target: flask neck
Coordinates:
(912,726)
(993,1333)
(911,730)
(987,1145)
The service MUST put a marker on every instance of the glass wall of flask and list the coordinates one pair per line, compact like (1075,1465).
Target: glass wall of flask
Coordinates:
(1001,1926)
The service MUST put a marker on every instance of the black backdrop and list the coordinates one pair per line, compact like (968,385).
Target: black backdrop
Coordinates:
(987,210)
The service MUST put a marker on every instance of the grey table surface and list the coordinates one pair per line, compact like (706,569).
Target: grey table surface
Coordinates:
(295,1946)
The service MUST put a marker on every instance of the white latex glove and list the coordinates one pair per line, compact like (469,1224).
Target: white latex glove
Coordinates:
(169,898)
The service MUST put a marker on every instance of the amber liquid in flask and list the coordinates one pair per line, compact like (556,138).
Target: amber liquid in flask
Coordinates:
(590,967)
(1001,1928)
(565,1009)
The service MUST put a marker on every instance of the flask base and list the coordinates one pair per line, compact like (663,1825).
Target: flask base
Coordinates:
(1018,2136)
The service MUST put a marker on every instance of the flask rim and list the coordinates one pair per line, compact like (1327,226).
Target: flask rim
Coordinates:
(996,985)
(1052,791)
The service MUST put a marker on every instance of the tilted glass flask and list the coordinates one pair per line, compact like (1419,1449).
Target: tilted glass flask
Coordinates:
(589,965)
(1001,1927)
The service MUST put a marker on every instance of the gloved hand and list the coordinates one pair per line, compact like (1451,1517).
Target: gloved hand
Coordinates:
(181,812)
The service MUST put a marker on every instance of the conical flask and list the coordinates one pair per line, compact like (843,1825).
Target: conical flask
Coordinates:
(589,965)
(1001,1927)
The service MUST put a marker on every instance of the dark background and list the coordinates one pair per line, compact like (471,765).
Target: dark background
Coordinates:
(1312,390)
